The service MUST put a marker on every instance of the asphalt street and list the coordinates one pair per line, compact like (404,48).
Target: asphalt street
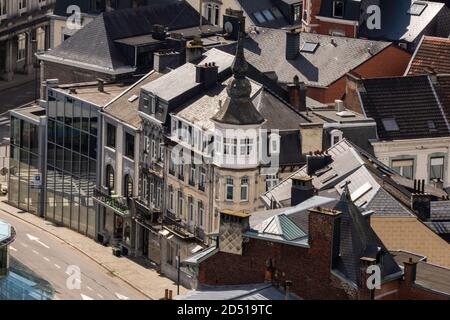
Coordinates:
(58,263)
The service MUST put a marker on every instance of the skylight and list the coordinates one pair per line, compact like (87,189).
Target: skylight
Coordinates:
(259,17)
(431,125)
(390,124)
(309,47)
(417,8)
(133,98)
(358,193)
(268,15)
(276,12)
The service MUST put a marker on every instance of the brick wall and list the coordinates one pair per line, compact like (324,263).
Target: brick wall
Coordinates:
(328,27)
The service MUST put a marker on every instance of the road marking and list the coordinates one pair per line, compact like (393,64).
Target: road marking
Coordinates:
(46,259)
(33,238)
(12,248)
(85,297)
(121,297)
(89,288)
(34,251)
(24,245)
(56,266)
(99,295)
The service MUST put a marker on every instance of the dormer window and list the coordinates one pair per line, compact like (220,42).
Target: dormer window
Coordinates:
(336,136)
(274,143)
(417,8)
(338,9)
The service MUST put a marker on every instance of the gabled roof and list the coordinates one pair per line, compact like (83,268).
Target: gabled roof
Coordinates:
(432,54)
(397,24)
(94,46)
(333,58)
(404,108)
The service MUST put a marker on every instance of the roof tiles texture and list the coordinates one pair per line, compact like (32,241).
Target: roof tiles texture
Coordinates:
(432,54)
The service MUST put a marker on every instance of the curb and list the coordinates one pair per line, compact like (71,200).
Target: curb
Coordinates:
(83,252)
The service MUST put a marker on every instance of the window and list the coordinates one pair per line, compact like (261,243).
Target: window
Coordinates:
(202,182)
(404,167)
(161,152)
(201,212)
(336,136)
(417,8)
(274,147)
(3,9)
(229,146)
(40,37)
(171,204)
(338,9)
(437,168)
(191,209)
(268,15)
(153,149)
(110,135)
(246,146)
(109,177)
(22,6)
(209,12)
(192,175)
(128,186)
(21,47)
(390,124)
(244,189)
(129,145)
(297,13)
(309,47)
(271,181)
(181,170)
(152,193)
(171,165)
(158,197)
(229,189)
(216,15)
(180,204)
(145,195)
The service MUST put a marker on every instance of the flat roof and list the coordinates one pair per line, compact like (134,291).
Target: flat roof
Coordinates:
(7,233)
(33,112)
(89,92)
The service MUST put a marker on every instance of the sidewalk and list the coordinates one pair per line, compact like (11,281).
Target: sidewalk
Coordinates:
(147,281)
(19,79)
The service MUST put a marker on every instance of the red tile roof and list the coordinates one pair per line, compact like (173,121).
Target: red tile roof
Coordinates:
(433,53)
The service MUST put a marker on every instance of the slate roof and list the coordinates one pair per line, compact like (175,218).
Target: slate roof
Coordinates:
(125,110)
(398,25)
(349,163)
(357,239)
(410,101)
(94,45)
(352,9)
(440,227)
(266,52)
(432,54)
(440,210)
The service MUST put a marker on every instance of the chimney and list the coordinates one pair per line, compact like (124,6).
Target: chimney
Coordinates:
(302,189)
(207,74)
(364,293)
(410,272)
(420,201)
(231,229)
(292,44)
(159,32)
(316,162)
(101,85)
(354,84)
(339,105)
(166,59)
(297,95)
(194,50)
(311,136)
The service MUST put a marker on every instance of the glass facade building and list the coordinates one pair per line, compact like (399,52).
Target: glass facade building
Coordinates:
(24,165)
(73,130)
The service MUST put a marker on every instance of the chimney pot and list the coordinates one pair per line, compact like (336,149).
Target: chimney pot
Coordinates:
(100,85)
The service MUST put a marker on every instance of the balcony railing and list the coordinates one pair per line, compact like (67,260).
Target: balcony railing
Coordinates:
(116,203)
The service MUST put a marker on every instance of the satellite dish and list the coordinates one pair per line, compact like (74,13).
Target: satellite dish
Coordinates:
(228,27)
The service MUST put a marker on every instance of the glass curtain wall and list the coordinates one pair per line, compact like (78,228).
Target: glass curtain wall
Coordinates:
(72,163)
(24,165)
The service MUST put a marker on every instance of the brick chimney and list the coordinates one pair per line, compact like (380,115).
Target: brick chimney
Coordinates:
(302,189)
(292,44)
(364,293)
(410,272)
(207,73)
(322,225)
(353,85)
(316,162)
(166,59)
(297,95)
(231,229)
(421,201)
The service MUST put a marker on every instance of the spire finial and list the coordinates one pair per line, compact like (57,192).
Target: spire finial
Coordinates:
(240,65)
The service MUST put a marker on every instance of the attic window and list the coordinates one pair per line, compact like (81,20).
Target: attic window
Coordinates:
(276,12)
(309,47)
(268,15)
(338,9)
(133,98)
(417,8)
(431,125)
(390,124)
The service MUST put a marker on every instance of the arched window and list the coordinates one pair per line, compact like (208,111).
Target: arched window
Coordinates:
(128,187)
(109,177)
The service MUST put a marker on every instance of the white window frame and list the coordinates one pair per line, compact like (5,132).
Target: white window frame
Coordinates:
(442,165)
(171,200)
(201,214)
(246,146)
(229,184)
(244,186)
(23,6)
(180,204)
(230,146)
(271,181)
(21,47)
